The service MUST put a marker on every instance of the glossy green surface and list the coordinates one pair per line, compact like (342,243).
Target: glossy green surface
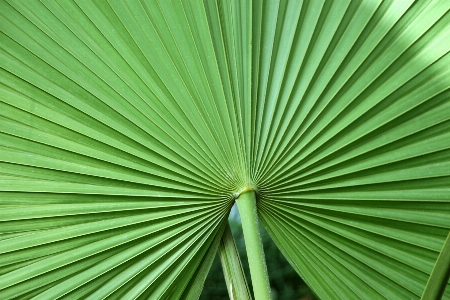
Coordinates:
(127,127)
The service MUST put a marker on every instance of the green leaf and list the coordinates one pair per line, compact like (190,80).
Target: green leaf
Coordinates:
(128,127)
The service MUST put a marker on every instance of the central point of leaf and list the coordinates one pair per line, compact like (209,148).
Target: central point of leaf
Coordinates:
(244,190)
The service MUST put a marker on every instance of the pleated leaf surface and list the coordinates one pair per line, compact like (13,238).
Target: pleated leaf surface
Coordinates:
(127,127)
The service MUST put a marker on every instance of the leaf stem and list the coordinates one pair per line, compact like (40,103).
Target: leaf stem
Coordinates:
(439,276)
(246,203)
(232,267)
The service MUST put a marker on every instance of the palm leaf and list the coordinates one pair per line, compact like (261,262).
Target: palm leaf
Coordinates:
(126,128)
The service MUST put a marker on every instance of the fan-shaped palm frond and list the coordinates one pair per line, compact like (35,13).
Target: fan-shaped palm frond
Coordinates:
(128,128)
